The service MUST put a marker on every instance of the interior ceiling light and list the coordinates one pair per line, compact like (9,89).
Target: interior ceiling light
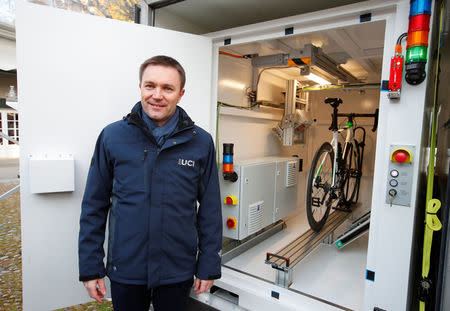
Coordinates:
(317,79)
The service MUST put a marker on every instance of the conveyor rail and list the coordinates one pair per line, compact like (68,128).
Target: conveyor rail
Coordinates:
(286,258)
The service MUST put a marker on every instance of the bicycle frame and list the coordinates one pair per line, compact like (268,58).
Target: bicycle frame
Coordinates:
(349,139)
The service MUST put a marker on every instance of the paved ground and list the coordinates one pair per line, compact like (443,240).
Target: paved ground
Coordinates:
(10,251)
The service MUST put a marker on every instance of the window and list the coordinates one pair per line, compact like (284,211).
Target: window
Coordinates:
(13,126)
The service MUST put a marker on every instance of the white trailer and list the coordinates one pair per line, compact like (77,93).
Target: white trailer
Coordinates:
(77,73)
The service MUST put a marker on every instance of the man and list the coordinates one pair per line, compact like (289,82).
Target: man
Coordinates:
(148,172)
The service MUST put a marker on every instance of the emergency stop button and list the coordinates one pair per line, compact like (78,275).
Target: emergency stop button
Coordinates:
(401,155)
(231,223)
(230,200)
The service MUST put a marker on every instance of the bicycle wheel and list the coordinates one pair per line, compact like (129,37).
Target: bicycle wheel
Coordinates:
(351,173)
(319,195)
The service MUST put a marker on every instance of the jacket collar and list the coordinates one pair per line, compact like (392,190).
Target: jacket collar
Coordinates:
(135,117)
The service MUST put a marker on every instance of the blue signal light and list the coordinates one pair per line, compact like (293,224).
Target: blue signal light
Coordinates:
(419,7)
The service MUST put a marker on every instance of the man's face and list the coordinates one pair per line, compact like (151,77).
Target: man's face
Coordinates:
(160,92)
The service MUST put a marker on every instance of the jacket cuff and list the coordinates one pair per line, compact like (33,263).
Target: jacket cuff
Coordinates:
(84,278)
(214,277)
(208,267)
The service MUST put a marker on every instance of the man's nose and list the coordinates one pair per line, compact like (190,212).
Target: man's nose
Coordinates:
(157,94)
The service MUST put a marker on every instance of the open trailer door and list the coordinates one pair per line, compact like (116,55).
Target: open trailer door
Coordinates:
(76,74)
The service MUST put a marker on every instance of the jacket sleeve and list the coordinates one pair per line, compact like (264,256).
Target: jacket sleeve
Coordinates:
(209,220)
(94,212)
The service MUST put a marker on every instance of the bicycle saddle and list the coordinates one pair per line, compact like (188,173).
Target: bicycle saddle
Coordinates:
(334,102)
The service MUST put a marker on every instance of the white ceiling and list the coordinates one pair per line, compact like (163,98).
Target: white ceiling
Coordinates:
(359,49)
(214,15)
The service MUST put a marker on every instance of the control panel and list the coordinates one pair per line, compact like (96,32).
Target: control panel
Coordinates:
(399,177)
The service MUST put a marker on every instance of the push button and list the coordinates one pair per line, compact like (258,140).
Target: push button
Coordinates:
(393,183)
(231,223)
(394,173)
(230,200)
(400,157)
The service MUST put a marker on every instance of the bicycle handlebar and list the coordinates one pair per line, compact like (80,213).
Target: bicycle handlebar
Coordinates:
(350,116)
(375,122)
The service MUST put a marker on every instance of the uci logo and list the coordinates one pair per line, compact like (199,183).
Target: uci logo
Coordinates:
(184,162)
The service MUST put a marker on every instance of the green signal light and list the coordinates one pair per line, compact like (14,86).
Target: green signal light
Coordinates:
(416,54)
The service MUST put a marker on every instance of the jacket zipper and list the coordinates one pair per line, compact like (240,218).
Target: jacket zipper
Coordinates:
(145,155)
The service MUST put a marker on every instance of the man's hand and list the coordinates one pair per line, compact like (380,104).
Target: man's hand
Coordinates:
(202,286)
(96,289)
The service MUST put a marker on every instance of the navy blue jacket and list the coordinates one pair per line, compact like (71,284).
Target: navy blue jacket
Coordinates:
(158,234)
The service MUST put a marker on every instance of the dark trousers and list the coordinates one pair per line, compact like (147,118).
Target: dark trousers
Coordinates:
(172,297)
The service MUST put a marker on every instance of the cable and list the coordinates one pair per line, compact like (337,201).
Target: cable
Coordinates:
(400,38)
(235,106)
(259,75)
(229,54)
(217,138)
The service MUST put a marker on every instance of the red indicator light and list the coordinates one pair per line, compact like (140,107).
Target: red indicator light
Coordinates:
(400,157)
(419,23)
(229,201)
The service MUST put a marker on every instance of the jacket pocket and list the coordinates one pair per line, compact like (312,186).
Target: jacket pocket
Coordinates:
(131,169)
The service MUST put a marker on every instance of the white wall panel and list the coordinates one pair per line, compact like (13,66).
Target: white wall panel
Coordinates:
(76,74)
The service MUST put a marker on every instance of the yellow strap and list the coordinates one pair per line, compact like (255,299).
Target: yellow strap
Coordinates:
(431,220)
(432,223)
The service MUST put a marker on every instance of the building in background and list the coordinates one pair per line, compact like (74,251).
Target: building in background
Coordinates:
(9,117)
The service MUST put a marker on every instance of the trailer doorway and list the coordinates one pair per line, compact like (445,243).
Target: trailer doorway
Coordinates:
(331,275)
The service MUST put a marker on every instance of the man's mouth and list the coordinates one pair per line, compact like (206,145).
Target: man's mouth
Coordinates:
(157,105)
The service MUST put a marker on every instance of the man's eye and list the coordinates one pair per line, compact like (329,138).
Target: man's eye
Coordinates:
(169,89)
(149,86)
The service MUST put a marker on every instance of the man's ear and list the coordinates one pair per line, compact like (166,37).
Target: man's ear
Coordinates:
(181,94)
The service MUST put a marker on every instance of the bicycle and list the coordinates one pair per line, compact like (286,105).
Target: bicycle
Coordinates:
(334,177)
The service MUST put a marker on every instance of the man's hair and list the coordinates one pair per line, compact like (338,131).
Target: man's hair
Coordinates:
(162,60)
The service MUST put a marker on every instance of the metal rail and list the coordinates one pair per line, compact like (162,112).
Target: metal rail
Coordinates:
(9,138)
(285,259)
(9,192)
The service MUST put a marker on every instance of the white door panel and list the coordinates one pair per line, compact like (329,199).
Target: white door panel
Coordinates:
(76,74)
